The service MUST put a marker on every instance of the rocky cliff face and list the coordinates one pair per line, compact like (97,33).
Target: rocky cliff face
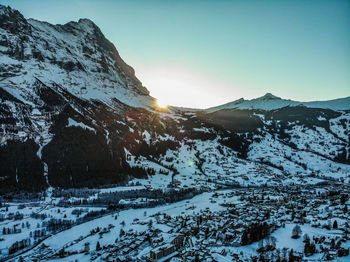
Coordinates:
(52,73)
(73,114)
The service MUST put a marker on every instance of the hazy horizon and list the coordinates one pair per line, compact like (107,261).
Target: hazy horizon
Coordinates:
(220,51)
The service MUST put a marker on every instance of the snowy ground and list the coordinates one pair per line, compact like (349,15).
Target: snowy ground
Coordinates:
(284,240)
(136,221)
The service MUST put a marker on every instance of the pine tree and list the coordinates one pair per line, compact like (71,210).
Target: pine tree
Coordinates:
(335,224)
(296,232)
(150,223)
(98,246)
(244,240)
(307,247)
(343,198)
(291,256)
(121,233)
(262,258)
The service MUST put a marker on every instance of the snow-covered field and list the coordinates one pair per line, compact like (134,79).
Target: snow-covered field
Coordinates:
(217,215)
(193,185)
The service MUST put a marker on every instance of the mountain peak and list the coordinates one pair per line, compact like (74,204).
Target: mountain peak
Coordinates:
(78,49)
(272,102)
(87,24)
(86,21)
(5,9)
(13,21)
(270,96)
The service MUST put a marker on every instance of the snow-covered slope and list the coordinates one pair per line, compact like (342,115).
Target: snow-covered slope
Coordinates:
(73,114)
(75,56)
(271,102)
(50,77)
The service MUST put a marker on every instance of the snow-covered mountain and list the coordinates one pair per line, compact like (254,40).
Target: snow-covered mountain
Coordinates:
(54,73)
(73,114)
(75,56)
(271,102)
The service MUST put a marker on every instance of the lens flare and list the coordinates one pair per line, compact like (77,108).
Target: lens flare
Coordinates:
(162,104)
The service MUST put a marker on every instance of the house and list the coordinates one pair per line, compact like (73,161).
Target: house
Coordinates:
(178,241)
(162,251)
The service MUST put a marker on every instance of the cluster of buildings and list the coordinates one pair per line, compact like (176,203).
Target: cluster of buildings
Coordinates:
(204,234)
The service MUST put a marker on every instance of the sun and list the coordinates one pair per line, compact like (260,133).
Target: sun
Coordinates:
(161,104)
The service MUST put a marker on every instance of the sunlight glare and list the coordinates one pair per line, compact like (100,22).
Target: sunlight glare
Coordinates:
(161,104)
(182,86)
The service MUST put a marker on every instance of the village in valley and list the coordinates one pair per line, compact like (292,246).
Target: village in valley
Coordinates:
(289,223)
(94,168)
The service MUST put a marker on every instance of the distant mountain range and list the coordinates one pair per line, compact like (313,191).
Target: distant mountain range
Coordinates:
(73,114)
(271,102)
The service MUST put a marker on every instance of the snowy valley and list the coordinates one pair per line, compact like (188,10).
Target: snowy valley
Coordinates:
(93,169)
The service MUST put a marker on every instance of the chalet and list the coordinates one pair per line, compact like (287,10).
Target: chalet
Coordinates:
(178,241)
(162,251)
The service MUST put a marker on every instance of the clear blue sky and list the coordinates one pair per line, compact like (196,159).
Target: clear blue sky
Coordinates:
(204,53)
